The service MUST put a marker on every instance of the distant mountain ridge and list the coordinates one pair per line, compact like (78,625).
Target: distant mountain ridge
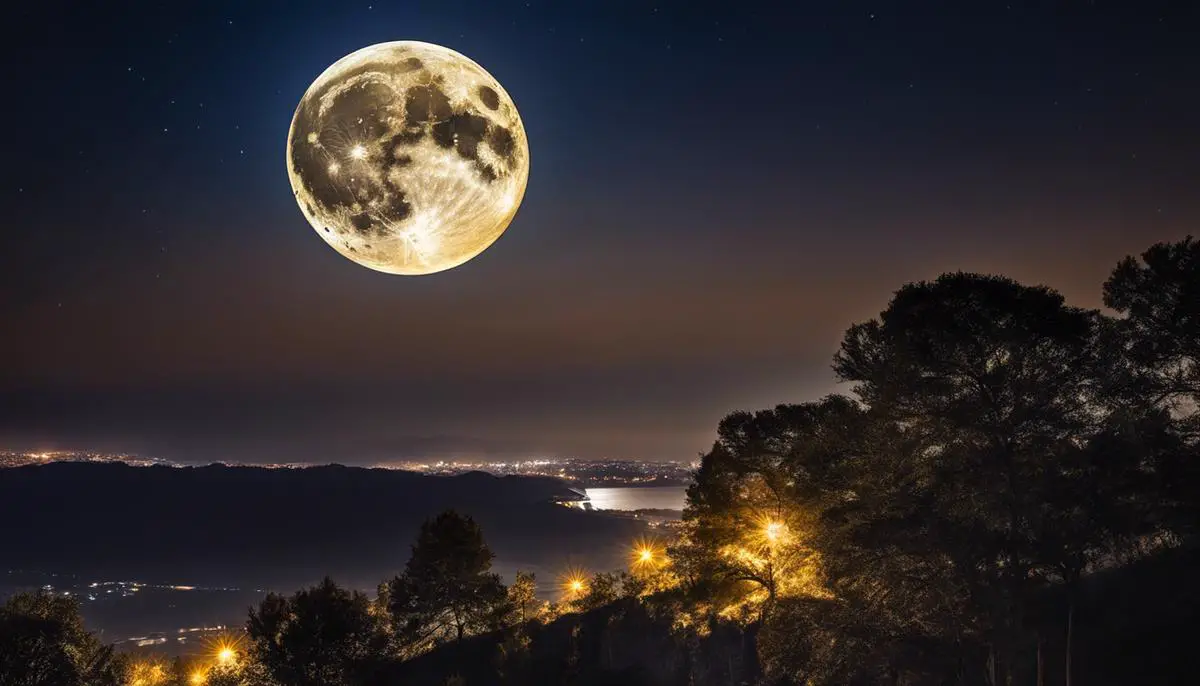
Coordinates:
(279,528)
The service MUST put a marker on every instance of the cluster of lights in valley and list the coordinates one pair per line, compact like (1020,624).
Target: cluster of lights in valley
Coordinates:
(609,472)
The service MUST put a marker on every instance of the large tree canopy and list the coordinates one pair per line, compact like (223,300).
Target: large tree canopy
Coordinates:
(321,636)
(911,528)
(1160,298)
(1159,342)
(43,643)
(992,381)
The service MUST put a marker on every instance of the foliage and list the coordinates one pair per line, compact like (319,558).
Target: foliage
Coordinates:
(1001,443)
(990,381)
(1160,298)
(223,677)
(1156,376)
(447,591)
(522,599)
(43,643)
(605,588)
(321,636)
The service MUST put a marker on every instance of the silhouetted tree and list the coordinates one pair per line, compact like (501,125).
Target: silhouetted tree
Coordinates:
(1159,338)
(741,487)
(753,515)
(832,475)
(43,643)
(894,597)
(447,591)
(321,636)
(993,379)
(522,598)
(603,588)
(1160,298)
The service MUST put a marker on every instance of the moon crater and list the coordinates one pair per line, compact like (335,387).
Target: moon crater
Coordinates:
(407,157)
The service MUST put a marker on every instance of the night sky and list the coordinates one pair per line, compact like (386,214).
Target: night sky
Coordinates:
(717,191)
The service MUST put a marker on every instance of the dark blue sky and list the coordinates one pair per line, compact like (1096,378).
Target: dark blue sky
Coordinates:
(717,191)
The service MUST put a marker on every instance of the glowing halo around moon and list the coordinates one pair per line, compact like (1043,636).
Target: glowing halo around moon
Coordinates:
(407,157)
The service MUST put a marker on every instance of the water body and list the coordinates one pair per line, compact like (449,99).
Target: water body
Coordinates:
(653,497)
(173,620)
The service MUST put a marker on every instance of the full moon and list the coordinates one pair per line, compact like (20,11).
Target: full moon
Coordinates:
(407,157)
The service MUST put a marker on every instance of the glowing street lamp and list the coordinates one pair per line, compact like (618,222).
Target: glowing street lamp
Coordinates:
(574,583)
(646,554)
(226,649)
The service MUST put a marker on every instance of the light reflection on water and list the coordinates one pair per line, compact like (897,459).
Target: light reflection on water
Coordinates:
(653,497)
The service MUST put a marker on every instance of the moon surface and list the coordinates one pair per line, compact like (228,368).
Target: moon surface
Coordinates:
(407,157)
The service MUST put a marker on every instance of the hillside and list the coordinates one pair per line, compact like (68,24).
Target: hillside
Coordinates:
(1130,628)
(279,528)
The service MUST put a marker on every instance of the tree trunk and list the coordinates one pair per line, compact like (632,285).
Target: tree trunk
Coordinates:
(1041,666)
(750,669)
(960,670)
(991,665)
(1070,637)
